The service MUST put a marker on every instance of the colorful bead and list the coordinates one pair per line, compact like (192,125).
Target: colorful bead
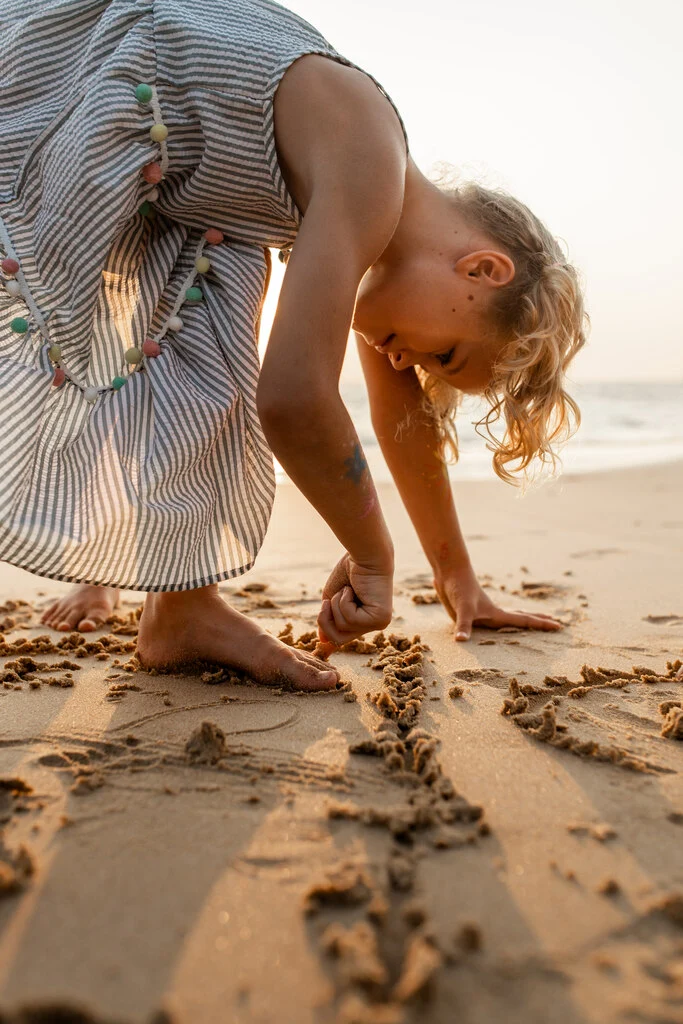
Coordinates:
(58,377)
(143,93)
(151,348)
(152,173)
(9,265)
(13,288)
(55,353)
(133,355)
(194,295)
(153,195)
(175,323)
(202,264)
(91,395)
(145,208)
(214,236)
(158,132)
(19,325)
(118,383)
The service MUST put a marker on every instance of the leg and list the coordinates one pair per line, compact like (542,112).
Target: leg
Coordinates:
(191,625)
(85,608)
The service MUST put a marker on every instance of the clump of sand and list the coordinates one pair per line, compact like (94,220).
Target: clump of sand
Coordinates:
(545,727)
(16,866)
(206,744)
(672,727)
(344,884)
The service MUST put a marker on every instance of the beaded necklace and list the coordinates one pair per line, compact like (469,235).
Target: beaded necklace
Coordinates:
(15,283)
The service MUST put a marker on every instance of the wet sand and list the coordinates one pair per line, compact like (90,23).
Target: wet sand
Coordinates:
(488,831)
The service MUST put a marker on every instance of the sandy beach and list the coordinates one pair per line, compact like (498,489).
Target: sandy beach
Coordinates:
(480,832)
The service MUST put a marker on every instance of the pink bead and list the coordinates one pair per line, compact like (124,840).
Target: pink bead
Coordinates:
(9,265)
(151,348)
(214,236)
(59,377)
(152,173)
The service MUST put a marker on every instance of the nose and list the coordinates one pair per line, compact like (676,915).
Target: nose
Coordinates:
(403,359)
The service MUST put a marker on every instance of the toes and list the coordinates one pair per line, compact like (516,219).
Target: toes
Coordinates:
(50,613)
(68,621)
(87,625)
(318,663)
(306,675)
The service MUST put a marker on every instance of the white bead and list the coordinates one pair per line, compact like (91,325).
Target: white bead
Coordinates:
(91,395)
(175,323)
(13,287)
(153,195)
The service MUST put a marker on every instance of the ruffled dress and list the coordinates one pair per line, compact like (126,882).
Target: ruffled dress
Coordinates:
(140,194)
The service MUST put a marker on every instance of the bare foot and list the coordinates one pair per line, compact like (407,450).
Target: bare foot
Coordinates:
(191,625)
(85,608)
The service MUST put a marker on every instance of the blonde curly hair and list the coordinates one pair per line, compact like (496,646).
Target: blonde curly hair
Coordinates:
(542,312)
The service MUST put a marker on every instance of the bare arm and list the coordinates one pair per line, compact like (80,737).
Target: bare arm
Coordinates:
(422,481)
(426,492)
(354,208)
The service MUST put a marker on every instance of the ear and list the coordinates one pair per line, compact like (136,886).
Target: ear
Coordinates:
(488,266)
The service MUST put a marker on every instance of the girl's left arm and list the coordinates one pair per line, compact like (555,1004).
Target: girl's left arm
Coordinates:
(424,485)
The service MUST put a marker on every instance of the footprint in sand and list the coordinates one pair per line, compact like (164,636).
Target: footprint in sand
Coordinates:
(663,620)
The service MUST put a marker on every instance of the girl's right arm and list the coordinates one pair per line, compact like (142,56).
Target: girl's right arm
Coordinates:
(303,416)
(357,174)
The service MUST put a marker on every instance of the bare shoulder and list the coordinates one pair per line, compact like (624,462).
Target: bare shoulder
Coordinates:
(338,136)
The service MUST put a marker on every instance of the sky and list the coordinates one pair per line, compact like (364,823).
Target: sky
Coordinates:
(575,109)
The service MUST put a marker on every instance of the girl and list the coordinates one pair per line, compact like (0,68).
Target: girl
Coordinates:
(153,152)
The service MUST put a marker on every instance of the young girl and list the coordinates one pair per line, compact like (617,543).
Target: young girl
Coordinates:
(153,152)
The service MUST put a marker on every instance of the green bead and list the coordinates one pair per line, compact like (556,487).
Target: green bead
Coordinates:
(118,383)
(194,295)
(133,355)
(143,93)
(145,208)
(19,325)
(55,353)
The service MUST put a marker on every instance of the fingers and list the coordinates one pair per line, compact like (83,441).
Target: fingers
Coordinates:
(328,628)
(465,617)
(343,608)
(544,622)
(527,621)
(338,620)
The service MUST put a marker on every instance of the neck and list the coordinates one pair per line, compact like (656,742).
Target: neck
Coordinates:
(425,209)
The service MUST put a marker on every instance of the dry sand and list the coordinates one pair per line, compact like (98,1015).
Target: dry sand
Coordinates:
(481,832)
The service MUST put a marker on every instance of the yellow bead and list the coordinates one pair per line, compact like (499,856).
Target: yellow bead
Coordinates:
(133,355)
(158,132)
(55,353)
(202,264)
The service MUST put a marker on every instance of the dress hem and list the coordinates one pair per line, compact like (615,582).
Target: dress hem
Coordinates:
(164,588)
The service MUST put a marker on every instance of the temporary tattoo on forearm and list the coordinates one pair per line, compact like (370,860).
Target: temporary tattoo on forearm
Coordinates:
(357,465)
(370,504)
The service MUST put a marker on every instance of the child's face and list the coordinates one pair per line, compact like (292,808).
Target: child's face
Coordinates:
(432,314)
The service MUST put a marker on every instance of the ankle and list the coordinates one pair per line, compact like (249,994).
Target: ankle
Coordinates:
(179,600)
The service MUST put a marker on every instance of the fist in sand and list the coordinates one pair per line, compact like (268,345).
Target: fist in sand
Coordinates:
(356,599)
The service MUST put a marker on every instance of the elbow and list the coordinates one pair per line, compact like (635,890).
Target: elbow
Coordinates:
(293,402)
(282,415)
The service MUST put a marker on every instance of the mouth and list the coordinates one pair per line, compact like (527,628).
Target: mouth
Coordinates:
(387,341)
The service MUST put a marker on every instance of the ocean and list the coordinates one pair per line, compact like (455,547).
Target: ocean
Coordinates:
(623,424)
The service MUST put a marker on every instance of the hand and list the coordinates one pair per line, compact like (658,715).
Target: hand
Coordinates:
(468,605)
(356,599)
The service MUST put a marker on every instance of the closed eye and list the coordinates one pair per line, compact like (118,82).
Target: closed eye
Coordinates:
(445,357)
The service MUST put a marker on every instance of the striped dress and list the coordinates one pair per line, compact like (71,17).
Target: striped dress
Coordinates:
(132,452)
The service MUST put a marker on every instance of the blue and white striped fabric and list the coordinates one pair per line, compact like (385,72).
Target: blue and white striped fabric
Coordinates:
(167,484)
